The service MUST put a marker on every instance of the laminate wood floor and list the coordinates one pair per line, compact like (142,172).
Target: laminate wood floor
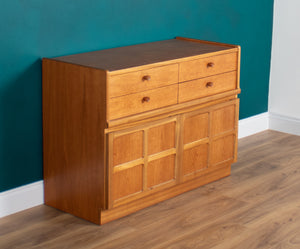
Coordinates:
(258,206)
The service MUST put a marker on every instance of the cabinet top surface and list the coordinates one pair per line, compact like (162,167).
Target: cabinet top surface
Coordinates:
(142,54)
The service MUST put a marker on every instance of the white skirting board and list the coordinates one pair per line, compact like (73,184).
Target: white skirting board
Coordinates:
(21,198)
(284,124)
(254,124)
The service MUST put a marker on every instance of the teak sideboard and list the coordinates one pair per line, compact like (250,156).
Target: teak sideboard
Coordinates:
(128,127)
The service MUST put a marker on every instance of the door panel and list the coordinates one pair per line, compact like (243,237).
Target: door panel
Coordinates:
(128,147)
(222,149)
(223,120)
(195,143)
(127,182)
(161,138)
(141,158)
(195,128)
(161,171)
(195,159)
(209,138)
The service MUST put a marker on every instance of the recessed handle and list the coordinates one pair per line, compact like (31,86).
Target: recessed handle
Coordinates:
(210,64)
(145,99)
(146,78)
(209,84)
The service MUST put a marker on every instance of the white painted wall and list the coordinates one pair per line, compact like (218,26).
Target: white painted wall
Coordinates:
(284,93)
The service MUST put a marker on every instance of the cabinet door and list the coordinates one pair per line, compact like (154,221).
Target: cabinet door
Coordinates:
(161,154)
(209,139)
(195,133)
(224,122)
(142,160)
(127,162)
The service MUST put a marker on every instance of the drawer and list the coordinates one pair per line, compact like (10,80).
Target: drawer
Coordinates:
(140,102)
(207,86)
(208,66)
(144,80)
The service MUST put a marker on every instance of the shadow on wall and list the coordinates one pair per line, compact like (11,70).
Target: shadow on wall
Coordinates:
(21,129)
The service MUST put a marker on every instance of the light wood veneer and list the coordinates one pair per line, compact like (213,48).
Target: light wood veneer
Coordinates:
(126,128)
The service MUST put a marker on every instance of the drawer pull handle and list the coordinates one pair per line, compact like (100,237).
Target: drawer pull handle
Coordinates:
(146,78)
(210,64)
(145,99)
(209,84)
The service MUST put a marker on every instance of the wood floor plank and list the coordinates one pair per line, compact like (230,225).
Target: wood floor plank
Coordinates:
(166,227)
(268,232)
(26,219)
(257,207)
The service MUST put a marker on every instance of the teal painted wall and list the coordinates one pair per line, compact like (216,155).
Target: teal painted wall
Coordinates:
(32,29)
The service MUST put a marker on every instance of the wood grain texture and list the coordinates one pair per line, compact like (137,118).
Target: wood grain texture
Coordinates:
(194,69)
(222,149)
(124,58)
(127,165)
(195,127)
(207,42)
(168,191)
(143,80)
(163,163)
(257,207)
(74,116)
(199,88)
(127,182)
(237,111)
(161,171)
(134,103)
(141,155)
(195,159)
(127,147)
(161,138)
(223,120)
(171,110)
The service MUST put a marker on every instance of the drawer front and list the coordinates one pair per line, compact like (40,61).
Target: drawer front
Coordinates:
(204,67)
(144,80)
(207,86)
(140,102)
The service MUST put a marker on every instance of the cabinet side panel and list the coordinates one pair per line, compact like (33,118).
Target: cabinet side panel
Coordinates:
(74,120)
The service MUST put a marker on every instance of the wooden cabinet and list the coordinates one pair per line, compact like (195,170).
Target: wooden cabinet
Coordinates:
(126,128)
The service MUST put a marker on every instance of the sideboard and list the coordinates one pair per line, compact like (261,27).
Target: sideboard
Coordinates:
(128,127)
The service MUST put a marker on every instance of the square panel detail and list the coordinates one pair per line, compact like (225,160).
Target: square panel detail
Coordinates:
(223,120)
(195,159)
(195,128)
(161,138)
(160,171)
(222,149)
(127,182)
(128,147)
